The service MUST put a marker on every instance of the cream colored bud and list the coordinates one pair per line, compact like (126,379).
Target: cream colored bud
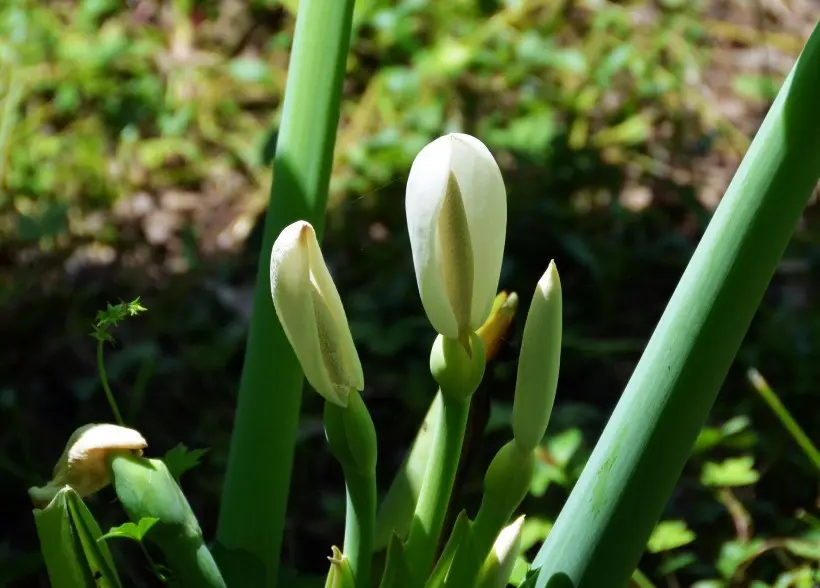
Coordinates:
(311,313)
(83,464)
(456,206)
(499,564)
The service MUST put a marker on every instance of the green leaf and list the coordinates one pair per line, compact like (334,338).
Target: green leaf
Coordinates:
(97,554)
(459,539)
(130,530)
(710,437)
(737,471)
(68,537)
(676,561)
(669,535)
(180,459)
(735,553)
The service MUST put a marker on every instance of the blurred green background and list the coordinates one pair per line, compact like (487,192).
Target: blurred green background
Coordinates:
(135,142)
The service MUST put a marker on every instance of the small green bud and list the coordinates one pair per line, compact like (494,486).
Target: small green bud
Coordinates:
(508,479)
(340,575)
(457,372)
(539,363)
(499,564)
(351,435)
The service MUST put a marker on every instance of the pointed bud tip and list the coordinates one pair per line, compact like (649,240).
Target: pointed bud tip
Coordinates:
(508,536)
(550,281)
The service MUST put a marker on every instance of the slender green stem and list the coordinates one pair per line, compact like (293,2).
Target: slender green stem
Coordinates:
(106,387)
(255,491)
(602,530)
(791,425)
(360,525)
(434,496)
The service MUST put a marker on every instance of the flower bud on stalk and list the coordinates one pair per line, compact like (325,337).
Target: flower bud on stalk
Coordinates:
(539,362)
(499,564)
(311,313)
(83,462)
(456,208)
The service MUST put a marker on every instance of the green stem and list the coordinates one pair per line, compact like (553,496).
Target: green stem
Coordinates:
(602,530)
(106,387)
(192,563)
(257,480)
(360,525)
(434,496)
(791,425)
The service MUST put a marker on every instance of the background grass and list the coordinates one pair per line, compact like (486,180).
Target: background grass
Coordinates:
(135,140)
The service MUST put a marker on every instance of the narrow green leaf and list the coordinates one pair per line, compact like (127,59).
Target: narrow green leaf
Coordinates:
(68,537)
(602,530)
(62,552)
(458,537)
(96,552)
(396,510)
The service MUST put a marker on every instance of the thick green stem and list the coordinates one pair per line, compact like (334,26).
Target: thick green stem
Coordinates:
(192,563)
(602,530)
(104,379)
(360,525)
(434,496)
(255,492)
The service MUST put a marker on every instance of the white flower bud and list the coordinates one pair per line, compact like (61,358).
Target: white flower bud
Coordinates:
(456,207)
(311,313)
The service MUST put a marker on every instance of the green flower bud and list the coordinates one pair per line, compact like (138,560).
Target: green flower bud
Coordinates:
(340,575)
(351,435)
(507,480)
(538,363)
(457,372)
(146,488)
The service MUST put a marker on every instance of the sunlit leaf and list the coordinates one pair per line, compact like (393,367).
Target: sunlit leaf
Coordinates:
(669,535)
(737,471)
(180,459)
(132,531)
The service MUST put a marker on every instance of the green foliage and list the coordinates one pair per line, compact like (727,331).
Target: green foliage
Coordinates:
(180,459)
(111,317)
(130,530)
(114,111)
(70,543)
